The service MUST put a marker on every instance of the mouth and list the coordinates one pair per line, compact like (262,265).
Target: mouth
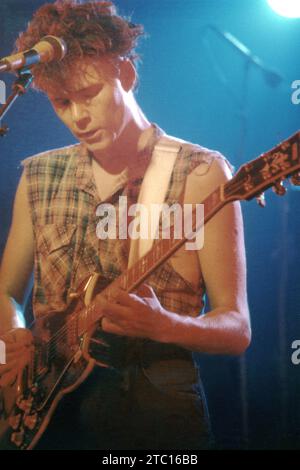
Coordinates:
(86,135)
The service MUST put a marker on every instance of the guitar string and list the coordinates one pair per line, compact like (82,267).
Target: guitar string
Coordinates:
(52,343)
(63,329)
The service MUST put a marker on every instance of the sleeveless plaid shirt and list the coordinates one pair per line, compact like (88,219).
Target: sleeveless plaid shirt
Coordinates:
(63,200)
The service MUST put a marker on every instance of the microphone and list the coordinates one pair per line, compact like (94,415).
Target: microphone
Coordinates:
(48,49)
(272,77)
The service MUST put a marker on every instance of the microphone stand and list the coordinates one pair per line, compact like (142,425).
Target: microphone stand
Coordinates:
(273,79)
(20,86)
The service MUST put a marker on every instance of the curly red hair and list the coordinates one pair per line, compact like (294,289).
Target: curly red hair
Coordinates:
(91,30)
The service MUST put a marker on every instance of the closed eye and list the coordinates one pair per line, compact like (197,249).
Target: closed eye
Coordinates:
(61,103)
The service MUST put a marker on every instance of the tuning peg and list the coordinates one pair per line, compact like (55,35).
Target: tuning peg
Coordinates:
(261,200)
(279,188)
(295,179)
(30,421)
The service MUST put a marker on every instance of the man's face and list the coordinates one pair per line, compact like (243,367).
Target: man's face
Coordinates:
(94,106)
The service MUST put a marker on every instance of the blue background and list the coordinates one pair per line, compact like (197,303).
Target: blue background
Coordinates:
(191,84)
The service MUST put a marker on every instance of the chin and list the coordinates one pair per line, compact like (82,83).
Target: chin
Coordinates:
(103,146)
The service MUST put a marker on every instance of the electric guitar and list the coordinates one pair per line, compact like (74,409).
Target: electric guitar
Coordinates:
(61,359)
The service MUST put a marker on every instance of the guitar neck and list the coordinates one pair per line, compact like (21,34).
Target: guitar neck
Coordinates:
(162,250)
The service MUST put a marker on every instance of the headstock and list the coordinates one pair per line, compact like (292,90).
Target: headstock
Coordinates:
(268,170)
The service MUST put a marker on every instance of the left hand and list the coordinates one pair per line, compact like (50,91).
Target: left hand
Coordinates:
(134,315)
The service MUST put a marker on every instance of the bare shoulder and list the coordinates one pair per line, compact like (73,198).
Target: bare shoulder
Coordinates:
(213,171)
(17,261)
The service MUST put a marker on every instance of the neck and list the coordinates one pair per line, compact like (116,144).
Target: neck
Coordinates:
(125,149)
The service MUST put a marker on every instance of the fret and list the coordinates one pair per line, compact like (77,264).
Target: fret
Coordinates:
(139,271)
(124,281)
(143,265)
(158,250)
(150,255)
(212,202)
(129,278)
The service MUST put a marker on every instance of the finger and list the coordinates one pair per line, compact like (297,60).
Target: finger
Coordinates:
(15,354)
(12,347)
(109,326)
(112,310)
(17,337)
(7,367)
(8,378)
(144,290)
(116,312)
(101,302)
(23,336)
(128,300)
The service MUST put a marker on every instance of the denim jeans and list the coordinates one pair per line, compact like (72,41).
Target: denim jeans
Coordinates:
(153,408)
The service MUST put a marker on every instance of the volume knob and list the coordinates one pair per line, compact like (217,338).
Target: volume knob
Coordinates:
(17,438)
(30,421)
(14,421)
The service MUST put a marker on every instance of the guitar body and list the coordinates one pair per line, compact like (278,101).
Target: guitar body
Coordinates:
(28,404)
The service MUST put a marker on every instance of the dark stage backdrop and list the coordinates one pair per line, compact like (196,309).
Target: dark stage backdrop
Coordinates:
(191,83)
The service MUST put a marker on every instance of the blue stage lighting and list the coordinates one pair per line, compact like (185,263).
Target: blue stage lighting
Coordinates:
(287,8)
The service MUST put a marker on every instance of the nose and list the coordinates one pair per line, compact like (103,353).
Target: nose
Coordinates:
(80,116)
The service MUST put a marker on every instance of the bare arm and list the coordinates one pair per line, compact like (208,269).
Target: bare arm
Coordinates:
(17,262)
(226,328)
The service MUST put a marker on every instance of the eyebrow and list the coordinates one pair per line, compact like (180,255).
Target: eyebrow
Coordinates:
(90,89)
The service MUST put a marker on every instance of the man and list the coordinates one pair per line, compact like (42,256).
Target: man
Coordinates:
(152,400)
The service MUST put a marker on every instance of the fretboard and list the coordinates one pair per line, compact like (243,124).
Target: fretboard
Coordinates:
(161,251)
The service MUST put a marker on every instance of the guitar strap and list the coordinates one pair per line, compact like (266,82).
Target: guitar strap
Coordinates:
(153,191)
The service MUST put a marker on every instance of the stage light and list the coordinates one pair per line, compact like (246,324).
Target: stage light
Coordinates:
(287,8)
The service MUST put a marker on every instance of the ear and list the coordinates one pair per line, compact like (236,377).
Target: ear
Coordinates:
(127,74)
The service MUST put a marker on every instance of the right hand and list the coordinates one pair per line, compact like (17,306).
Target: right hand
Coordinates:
(19,346)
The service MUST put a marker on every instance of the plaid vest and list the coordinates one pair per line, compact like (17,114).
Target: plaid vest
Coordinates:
(63,200)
